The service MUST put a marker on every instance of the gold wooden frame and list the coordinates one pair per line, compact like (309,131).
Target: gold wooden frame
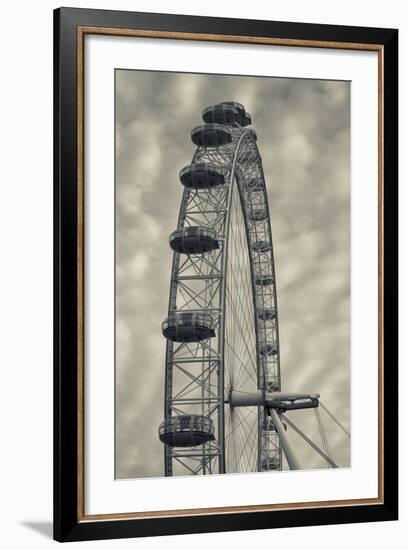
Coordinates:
(81,33)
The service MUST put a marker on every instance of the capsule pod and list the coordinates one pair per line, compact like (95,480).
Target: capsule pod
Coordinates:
(257,215)
(261,247)
(254,185)
(187,326)
(186,430)
(248,157)
(245,117)
(267,314)
(194,240)
(201,176)
(264,280)
(271,386)
(222,113)
(228,112)
(268,349)
(270,463)
(269,426)
(211,135)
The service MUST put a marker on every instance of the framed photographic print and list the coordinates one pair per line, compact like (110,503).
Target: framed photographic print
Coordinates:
(225,274)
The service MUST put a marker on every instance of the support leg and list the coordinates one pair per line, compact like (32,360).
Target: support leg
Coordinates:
(286,445)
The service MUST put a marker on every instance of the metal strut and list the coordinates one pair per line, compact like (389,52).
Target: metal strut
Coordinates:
(310,442)
(222,327)
(275,403)
(286,445)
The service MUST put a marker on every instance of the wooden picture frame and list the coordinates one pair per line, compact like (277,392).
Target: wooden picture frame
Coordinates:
(70,28)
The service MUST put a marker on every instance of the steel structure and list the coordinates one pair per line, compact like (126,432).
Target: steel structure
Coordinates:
(222,327)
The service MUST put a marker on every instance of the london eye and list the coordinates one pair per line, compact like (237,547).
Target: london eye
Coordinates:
(224,409)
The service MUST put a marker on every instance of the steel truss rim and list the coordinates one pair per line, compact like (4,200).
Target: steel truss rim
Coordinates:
(236,182)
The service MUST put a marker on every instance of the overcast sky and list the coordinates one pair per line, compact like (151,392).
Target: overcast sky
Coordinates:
(303,129)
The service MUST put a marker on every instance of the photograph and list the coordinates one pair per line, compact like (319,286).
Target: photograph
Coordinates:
(203,234)
(232,274)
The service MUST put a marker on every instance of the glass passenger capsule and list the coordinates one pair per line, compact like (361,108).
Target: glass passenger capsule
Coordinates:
(267,314)
(257,215)
(194,240)
(264,280)
(248,157)
(211,135)
(201,176)
(254,185)
(187,326)
(268,349)
(228,112)
(270,463)
(261,246)
(186,430)
(271,386)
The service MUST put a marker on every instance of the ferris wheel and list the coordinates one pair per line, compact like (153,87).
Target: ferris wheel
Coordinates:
(223,405)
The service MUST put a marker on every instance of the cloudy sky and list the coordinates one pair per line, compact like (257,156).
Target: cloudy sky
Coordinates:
(303,129)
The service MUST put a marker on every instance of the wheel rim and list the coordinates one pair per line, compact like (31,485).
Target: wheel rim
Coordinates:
(236,284)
